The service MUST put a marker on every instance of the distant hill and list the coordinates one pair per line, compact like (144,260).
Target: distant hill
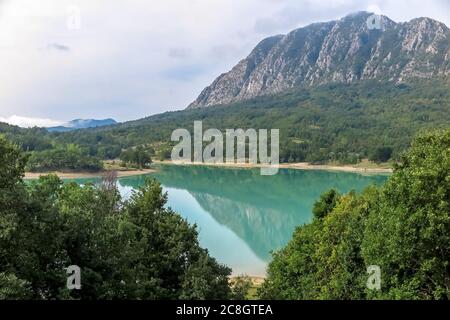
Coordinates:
(333,122)
(82,124)
(329,123)
(342,51)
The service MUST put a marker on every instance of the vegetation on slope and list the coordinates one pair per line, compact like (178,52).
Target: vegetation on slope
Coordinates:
(403,227)
(332,123)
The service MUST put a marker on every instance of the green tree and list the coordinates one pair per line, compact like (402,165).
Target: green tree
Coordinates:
(340,268)
(12,193)
(172,265)
(241,287)
(381,154)
(292,273)
(12,288)
(64,157)
(326,204)
(138,157)
(408,235)
(136,249)
(402,227)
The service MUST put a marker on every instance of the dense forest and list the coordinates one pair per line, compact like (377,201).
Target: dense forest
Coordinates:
(402,227)
(340,123)
(139,249)
(134,249)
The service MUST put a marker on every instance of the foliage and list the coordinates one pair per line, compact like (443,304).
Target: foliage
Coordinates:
(331,123)
(381,154)
(138,157)
(326,204)
(68,157)
(241,287)
(135,249)
(403,227)
(12,288)
(408,235)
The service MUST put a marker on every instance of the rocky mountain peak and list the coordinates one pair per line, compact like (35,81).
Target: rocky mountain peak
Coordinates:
(342,51)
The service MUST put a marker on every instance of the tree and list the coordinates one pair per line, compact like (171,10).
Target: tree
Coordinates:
(381,154)
(138,157)
(340,268)
(173,266)
(12,162)
(12,192)
(13,288)
(64,157)
(408,234)
(241,287)
(402,227)
(292,273)
(323,260)
(326,204)
(136,249)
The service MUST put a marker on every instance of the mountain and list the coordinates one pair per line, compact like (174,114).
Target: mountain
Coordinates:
(82,124)
(342,51)
(333,122)
(340,123)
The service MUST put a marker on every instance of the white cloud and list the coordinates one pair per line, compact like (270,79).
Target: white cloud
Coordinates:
(27,122)
(375,8)
(131,60)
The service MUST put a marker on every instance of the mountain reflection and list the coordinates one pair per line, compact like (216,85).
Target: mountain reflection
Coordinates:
(262,210)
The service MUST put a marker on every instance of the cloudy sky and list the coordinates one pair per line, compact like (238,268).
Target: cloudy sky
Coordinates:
(61,60)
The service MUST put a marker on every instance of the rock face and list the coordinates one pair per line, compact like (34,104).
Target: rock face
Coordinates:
(341,51)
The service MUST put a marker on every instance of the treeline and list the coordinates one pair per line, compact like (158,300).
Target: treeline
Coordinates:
(134,249)
(333,123)
(63,157)
(138,157)
(403,228)
(341,123)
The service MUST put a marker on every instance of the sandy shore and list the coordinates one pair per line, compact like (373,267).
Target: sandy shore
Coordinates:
(256,280)
(80,175)
(294,166)
(307,166)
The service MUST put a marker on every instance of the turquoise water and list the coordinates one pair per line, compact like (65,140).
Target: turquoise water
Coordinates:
(241,215)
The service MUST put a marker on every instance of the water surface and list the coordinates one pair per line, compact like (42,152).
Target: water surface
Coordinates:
(241,215)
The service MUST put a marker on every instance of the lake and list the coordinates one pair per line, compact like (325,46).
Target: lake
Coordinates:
(242,216)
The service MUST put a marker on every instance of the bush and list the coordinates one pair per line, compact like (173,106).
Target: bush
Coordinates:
(137,249)
(70,157)
(138,157)
(403,227)
(381,154)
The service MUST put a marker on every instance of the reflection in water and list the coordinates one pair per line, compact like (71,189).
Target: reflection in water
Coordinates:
(220,240)
(243,216)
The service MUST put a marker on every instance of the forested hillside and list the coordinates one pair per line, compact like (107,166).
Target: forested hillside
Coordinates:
(402,227)
(339,122)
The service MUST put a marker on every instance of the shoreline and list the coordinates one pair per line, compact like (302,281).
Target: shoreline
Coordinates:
(294,166)
(86,175)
